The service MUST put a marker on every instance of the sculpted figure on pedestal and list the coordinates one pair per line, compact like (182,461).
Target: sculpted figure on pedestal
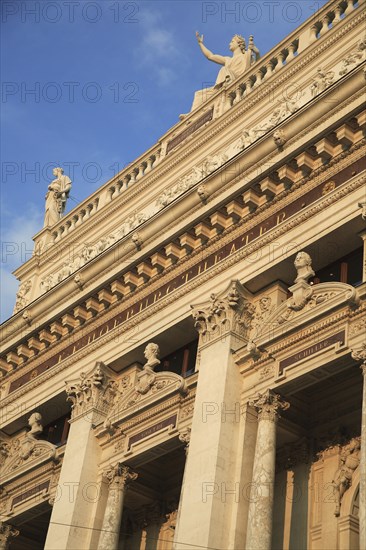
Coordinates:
(233,66)
(57,194)
(350,459)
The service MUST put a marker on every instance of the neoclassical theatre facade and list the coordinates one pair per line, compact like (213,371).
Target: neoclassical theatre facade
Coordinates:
(184,368)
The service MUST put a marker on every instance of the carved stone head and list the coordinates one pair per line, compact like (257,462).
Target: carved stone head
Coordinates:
(151,353)
(303,267)
(34,422)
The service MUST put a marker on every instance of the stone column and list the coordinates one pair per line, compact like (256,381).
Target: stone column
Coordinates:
(259,531)
(118,477)
(73,516)
(6,532)
(210,486)
(360,355)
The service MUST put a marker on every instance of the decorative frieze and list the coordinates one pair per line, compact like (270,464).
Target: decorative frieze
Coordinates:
(228,311)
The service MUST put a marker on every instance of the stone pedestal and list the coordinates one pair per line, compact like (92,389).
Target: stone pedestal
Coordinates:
(210,487)
(72,519)
(259,530)
(118,477)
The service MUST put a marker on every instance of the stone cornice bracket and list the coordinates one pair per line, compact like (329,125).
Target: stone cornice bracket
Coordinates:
(94,390)
(7,531)
(228,311)
(268,405)
(360,355)
(119,476)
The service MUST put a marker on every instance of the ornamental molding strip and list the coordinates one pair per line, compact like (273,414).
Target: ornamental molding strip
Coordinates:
(229,311)
(93,390)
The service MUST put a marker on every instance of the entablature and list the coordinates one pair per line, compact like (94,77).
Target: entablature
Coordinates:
(231,247)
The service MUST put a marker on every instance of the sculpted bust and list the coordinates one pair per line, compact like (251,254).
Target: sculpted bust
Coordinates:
(303,267)
(232,66)
(34,422)
(57,194)
(151,354)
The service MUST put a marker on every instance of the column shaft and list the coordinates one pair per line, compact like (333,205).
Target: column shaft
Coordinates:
(259,533)
(259,530)
(118,477)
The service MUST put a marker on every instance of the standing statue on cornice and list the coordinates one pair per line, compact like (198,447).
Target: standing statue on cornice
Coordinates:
(233,66)
(57,194)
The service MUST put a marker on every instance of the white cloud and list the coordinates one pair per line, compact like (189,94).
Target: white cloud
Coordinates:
(16,248)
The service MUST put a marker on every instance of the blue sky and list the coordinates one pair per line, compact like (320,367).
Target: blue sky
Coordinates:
(108,79)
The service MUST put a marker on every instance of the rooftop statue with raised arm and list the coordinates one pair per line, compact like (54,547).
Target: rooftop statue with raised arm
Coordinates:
(233,66)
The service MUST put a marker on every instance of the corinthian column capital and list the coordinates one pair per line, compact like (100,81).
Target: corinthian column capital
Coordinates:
(227,311)
(93,390)
(268,405)
(119,476)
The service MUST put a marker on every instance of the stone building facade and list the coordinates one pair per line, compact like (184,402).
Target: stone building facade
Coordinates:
(185,364)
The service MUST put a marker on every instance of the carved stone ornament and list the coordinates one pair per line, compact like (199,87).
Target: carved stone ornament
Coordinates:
(119,476)
(150,386)
(27,316)
(6,532)
(363,213)
(185,437)
(35,423)
(349,461)
(279,138)
(322,80)
(22,297)
(94,390)
(360,355)
(202,193)
(228,311)
(268,405)
(24,453)
(137,240)
(307,297)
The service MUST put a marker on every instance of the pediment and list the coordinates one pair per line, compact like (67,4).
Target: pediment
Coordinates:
(150,387)
(317,300)
(25,454)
